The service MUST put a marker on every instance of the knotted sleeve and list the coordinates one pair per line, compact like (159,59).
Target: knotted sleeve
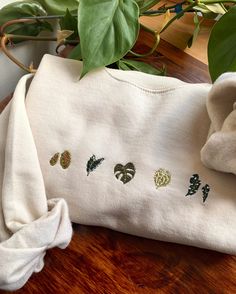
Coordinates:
(219,152)
(29,223)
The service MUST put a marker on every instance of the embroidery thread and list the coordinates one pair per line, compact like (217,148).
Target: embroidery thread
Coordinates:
(162,178)
(205,192)
(195,183)
(65,159)
(54,159)
(124,173)
(93,163)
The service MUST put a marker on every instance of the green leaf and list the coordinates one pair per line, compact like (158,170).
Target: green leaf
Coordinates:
(59,6)
(222,45)
(140,3)
(22,9)
(139,66)
(196,30)
(107,30)
(76,53)
(69,22)
(217,8)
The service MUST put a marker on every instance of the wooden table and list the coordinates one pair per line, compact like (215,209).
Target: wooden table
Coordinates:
(102,261)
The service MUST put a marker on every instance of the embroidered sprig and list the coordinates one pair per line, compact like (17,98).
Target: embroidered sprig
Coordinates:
(93,163)
(205,192)
(195,183)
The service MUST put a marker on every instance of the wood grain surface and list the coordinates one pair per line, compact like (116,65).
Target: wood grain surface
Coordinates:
(102,261)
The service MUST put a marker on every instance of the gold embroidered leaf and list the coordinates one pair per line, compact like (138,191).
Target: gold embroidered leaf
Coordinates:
(162,178)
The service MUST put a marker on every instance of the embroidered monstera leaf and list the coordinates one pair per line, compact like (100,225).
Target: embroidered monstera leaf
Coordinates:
(124,173)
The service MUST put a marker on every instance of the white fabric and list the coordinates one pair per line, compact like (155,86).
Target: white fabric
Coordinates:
(29,224)
(219,152)
(152,122)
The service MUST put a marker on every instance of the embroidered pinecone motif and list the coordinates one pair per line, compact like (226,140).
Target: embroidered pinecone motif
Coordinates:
(124,173)
(93,163)
(195,183)
(205,192)
(65,159)
(54,159)
(162,178)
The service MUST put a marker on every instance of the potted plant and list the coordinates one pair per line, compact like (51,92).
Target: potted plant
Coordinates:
(103,33)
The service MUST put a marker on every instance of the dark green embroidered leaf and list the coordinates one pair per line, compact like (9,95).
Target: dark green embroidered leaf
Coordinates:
(54,159)
(195,183)
(93,163)
(65,160)
(124,173)
(205,192)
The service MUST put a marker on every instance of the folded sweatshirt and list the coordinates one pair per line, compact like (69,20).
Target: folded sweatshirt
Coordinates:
(145,155)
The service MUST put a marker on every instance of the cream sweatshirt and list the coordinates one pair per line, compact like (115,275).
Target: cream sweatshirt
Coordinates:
(145,155)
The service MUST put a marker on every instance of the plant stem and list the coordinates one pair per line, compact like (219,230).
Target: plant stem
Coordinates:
(47,17)
(157,41)
(28,38)
(32,38)
(151,12)
(178,15)
(4,41)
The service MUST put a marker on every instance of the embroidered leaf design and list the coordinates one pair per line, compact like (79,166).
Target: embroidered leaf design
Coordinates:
(124,173)
(162,178)
(54,159)
(205,192)
(93,163)
(195,183)
(65,160)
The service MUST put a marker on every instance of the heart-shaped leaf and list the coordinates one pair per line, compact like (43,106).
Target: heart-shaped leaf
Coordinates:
(222,45)
(23,9)
(112,31)
(124,173)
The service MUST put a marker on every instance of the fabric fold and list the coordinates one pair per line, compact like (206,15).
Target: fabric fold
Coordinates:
(219,151)
(30,224)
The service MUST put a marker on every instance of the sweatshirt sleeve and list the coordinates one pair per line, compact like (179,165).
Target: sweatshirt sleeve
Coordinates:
(219,151)
(29,223)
